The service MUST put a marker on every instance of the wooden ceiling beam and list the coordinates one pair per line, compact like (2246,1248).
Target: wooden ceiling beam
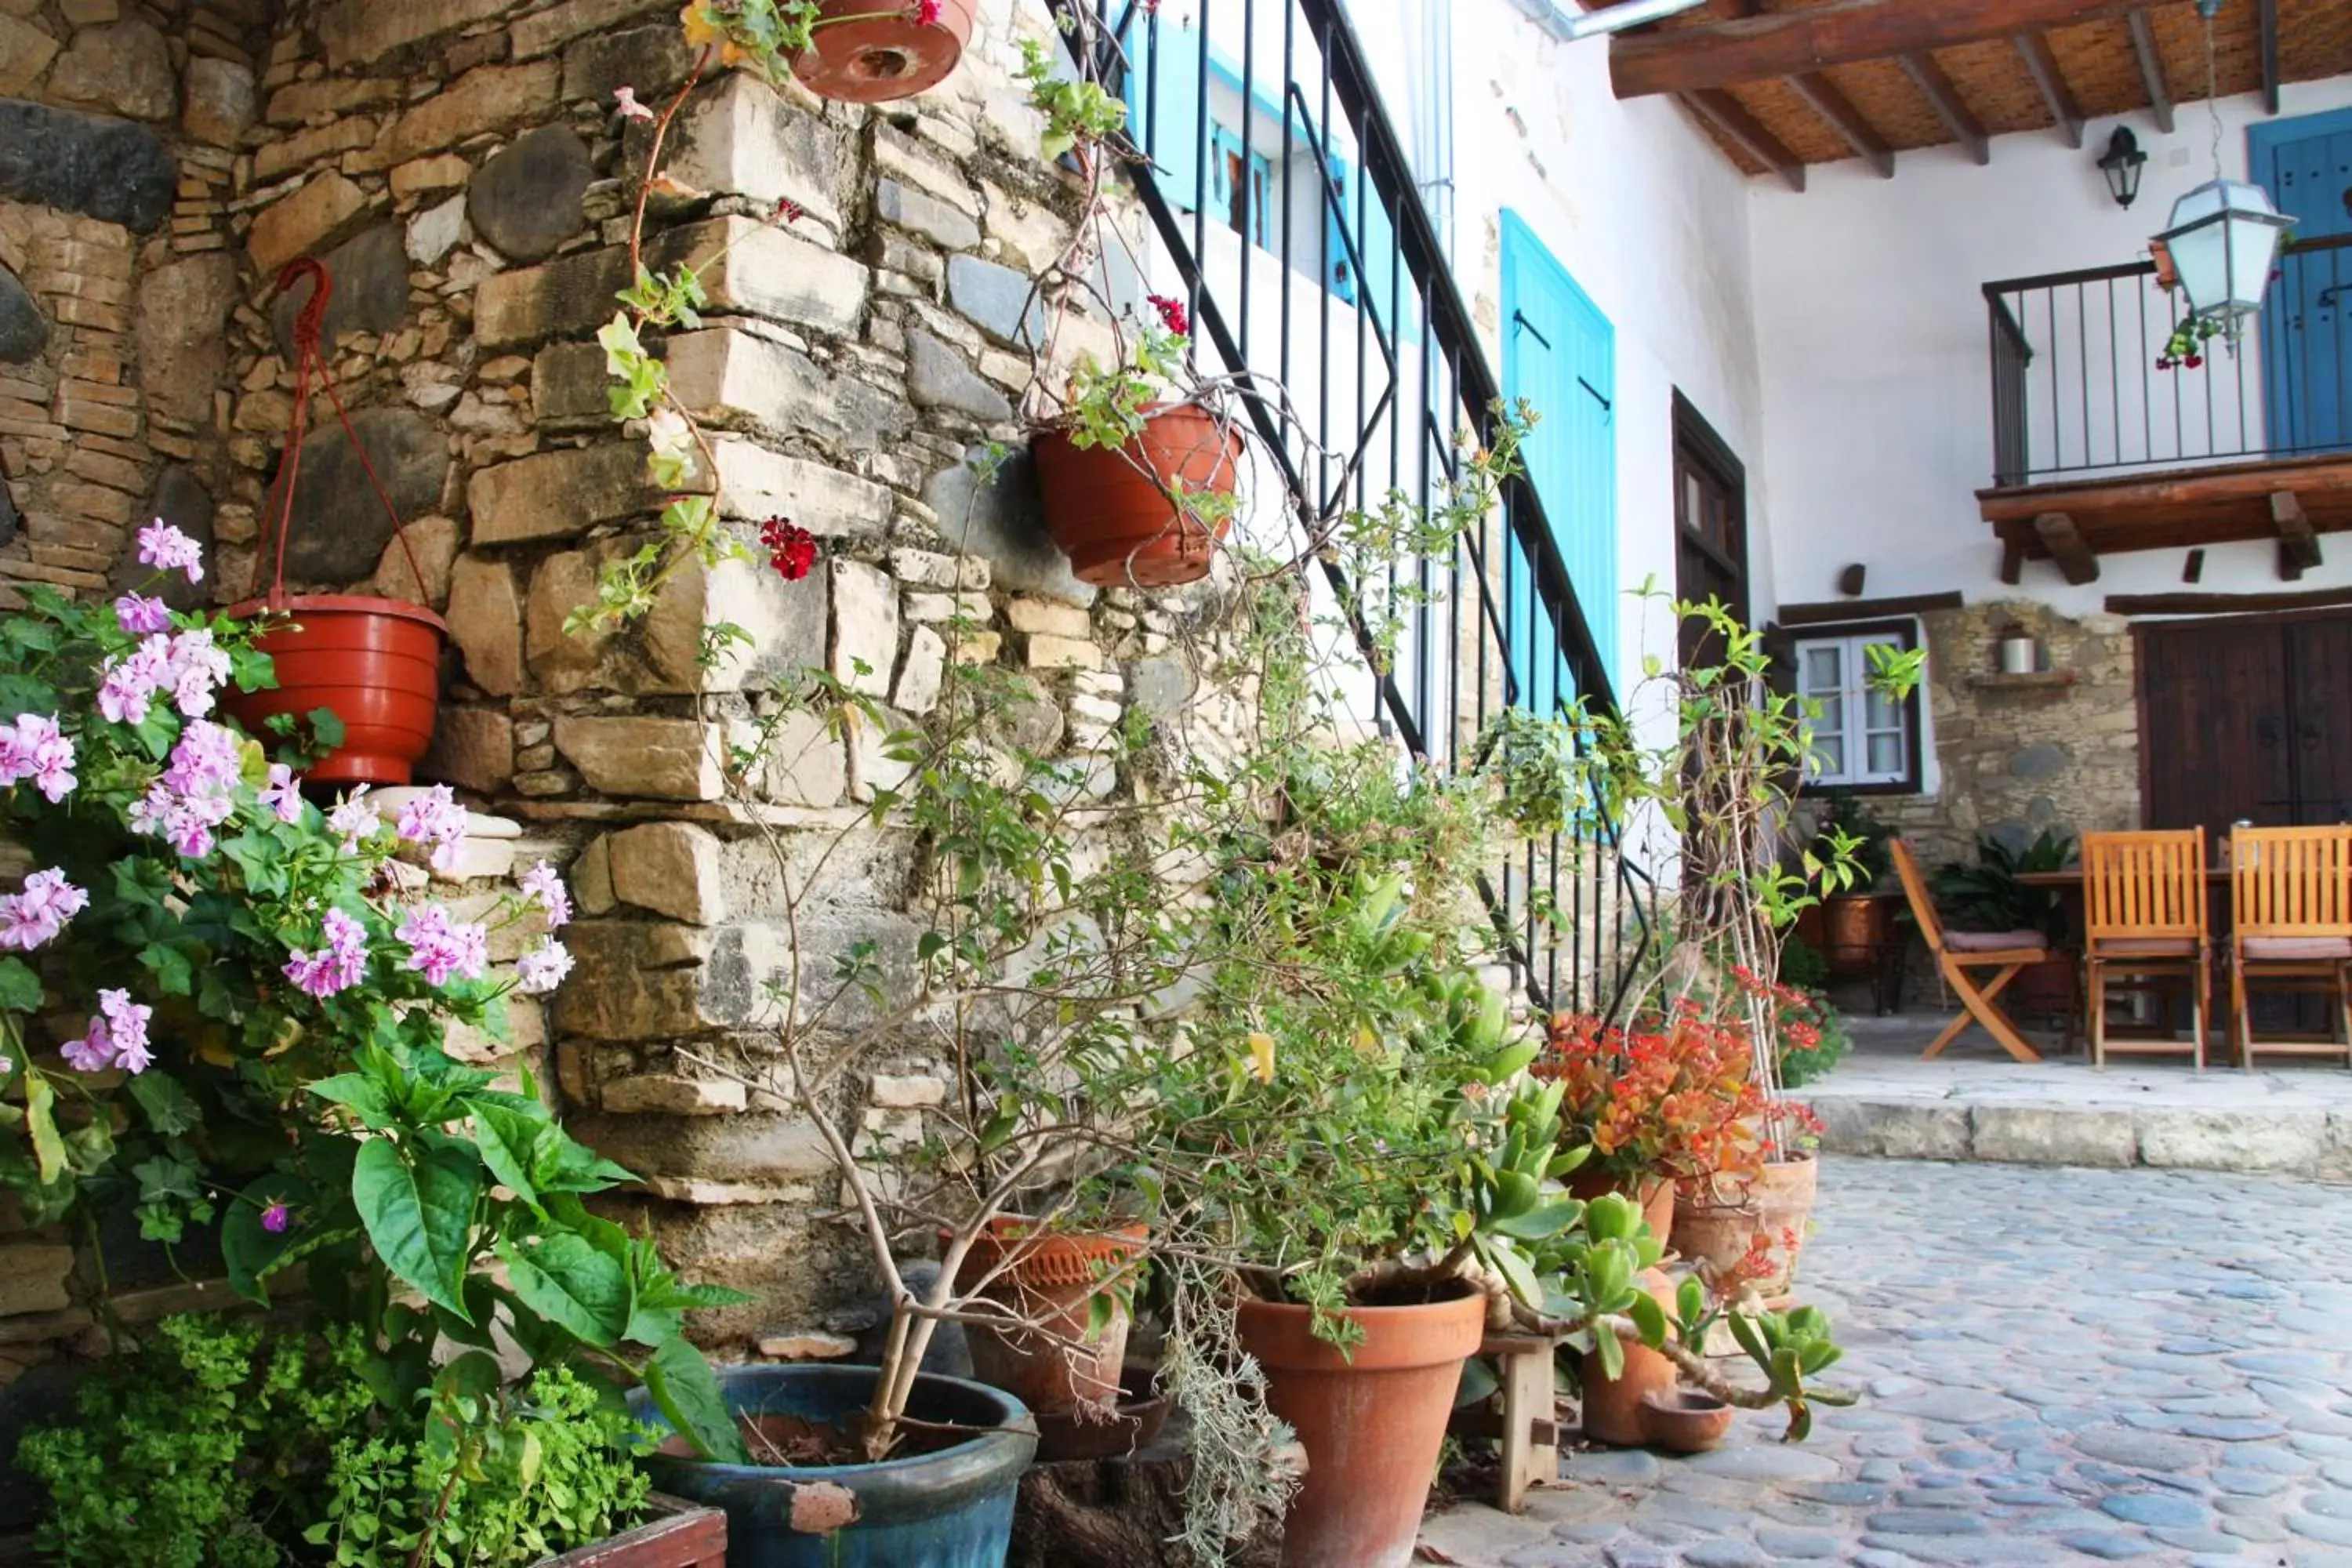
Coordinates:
(2298,549)
(1725,113)
(1846,120)
(2065,544)
(2224,603)
(1949,107)
(2042,66)
(2151,70)
(2266,18)
(1843,32)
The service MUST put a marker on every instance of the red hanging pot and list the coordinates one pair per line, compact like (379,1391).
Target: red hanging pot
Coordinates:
(1110,509)
(375,663)
(876,51)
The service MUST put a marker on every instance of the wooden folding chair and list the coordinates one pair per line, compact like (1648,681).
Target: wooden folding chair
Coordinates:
(2291,929)
(1960,954)
(2144,917)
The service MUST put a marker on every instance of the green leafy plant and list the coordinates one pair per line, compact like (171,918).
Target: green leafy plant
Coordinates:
(496,1475)
(1078,111)
(188,1455)
(1532,760)
(262,1049)
(1989,895)
(223,1444)
(1811,1034)
(1848,832)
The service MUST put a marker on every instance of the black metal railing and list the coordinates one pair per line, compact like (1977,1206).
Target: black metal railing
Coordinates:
(1286,210)
(2078,389)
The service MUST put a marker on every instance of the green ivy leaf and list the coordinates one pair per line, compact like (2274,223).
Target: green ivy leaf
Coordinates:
(20,988)
(686,1391)
(174,974)
(170,1110)
(417,1204)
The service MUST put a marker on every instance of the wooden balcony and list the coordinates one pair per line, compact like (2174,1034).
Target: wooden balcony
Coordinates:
(2073,523)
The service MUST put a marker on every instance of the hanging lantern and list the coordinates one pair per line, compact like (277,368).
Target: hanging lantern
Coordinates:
(2223,241)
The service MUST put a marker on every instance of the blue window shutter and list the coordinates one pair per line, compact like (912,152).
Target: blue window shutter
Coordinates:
(1375,245)
(1380,261)
(1163,103)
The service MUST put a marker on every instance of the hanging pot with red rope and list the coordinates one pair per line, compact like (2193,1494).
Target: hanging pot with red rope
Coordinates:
(373,663)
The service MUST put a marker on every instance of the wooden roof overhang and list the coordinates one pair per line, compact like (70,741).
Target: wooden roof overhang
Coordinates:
(1784,84)
(2294,500)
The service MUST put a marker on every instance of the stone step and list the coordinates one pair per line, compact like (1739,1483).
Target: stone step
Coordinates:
(2299,1141)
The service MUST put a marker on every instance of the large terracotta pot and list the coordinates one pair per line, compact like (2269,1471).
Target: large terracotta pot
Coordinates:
(375,663)
(1110,509)
(875,51)
(1049,1280)
(1655,1196)
(1371,1421)
(1854,928)
(1716,1223)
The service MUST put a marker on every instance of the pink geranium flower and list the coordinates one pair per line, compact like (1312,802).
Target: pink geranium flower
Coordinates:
(166,548)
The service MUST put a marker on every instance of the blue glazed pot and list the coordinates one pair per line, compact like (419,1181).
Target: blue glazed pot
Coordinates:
(951,1508)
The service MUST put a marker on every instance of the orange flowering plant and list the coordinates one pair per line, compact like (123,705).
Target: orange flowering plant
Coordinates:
(1673,1097)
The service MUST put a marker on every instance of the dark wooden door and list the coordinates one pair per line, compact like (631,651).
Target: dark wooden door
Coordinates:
(1710,528)
(2246,721)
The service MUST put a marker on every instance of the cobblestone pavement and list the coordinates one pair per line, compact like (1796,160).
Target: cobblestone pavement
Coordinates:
(2058,1365)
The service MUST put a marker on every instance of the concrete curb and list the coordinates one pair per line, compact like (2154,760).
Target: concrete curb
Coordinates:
(2312,1144)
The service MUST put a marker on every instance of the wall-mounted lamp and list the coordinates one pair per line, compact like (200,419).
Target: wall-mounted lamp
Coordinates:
(2121,164)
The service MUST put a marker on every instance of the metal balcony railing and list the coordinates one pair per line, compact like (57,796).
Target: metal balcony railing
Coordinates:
(2077,389)
(1283,198)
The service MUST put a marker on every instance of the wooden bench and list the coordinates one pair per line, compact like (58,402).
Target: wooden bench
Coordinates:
(1526,1429)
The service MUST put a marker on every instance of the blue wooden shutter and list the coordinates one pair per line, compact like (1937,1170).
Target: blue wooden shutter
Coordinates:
(1163,103)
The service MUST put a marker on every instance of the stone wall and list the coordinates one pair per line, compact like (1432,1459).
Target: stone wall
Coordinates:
(2017,759)
(459,165)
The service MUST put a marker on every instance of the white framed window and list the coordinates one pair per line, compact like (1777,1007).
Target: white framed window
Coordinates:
(1862,738)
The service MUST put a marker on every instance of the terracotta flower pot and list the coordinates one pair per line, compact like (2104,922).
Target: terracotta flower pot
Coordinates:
(1110,508)
(1685,1420)
(1716,1223)
(876,51)
(1613,1406)
(1371,1421)
(1655,1196)
(1854,927)
(1049,1280)
(375,664)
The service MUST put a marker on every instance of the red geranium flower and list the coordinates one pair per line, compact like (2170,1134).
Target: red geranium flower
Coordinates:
(789,210)
(926,13)
(1171,312)
(790,551)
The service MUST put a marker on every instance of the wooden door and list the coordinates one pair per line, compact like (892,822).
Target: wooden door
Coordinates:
(1710,527)
(2306,164)
(2244,720)
(2319,692)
